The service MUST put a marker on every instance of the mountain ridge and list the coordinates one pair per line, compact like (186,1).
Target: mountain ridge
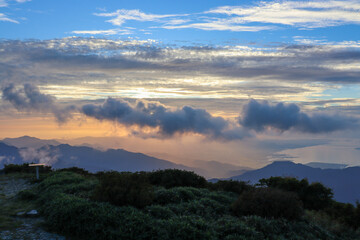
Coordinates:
(344,182)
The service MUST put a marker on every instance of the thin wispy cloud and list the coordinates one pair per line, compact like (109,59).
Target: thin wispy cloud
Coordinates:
(270,15)
(301,14)
(5,18)
(120,16)
(3,3)
(104,32)
(219,26)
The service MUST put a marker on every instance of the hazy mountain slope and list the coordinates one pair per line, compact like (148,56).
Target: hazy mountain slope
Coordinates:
(9,154)
(344,182)
(29,142)
(216,169)
(96,160)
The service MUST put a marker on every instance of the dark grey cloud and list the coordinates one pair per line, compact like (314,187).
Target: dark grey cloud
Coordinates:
(261,115)
(168,121)
(28,98)
(34,60)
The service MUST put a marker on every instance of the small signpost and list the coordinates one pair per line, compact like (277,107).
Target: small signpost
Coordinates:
(37,165)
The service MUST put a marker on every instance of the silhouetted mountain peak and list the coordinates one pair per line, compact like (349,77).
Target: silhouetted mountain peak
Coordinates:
(345,182)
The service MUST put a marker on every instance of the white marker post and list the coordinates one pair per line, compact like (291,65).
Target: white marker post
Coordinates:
(37,165)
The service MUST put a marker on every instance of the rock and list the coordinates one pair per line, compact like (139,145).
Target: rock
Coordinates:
(20,214)
(32,213)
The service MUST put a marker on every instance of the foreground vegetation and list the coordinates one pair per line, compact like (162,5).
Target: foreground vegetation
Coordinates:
(176,204)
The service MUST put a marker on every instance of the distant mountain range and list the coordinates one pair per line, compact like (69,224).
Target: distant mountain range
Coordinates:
(59,154)
(344,182)
(64,155)
(29,142)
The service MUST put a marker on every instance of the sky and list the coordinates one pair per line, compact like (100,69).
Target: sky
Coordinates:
(240,82)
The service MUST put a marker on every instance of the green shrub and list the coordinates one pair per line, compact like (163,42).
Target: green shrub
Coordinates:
(205,208)
(314,196)
(60,180)
(159,212)
(124,189)
(187,228)
(24,168)
(27,194)
(269,203)
(176,178)
(175,195)
(77,170)
(232,228)
(86,219)
(230,186)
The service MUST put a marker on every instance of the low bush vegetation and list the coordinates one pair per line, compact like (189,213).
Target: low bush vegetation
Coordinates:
(124,189)
(269,203)
(314,196)
(24,168)
(169,178)
(112,205)
(230,186)
(77,170)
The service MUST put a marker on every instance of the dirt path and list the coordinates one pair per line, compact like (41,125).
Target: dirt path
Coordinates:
(25,227)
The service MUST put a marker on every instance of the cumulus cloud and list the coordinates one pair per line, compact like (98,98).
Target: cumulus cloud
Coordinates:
(29,98)
(262,115)
(167,121)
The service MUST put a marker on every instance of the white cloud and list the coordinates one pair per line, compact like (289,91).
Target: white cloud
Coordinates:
(104,32)
(3,3)
(310,14)
(122,15)
(4,18)
(299,14)
(221,26)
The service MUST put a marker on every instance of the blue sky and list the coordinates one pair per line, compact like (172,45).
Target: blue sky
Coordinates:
(65,62)
(44,19)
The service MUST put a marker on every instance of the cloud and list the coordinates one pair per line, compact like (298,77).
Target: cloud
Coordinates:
(270,15)
(4,18)
(42,155)
(114,31)
(219,26)
(122,15)
(3,3)
(92,68)
(261,115)
(301,14)
(29,99)
(167,121)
